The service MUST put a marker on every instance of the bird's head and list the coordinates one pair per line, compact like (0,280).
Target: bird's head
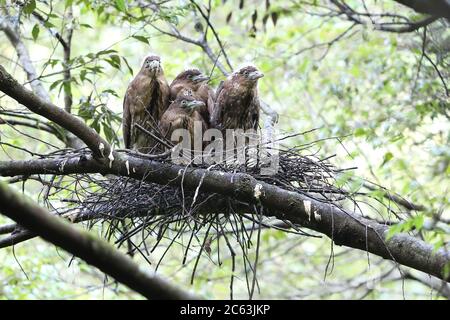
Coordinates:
(193,76)
(152,65)
(247,75)
(188,102)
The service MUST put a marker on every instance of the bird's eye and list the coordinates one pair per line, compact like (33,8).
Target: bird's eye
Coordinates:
(183,102)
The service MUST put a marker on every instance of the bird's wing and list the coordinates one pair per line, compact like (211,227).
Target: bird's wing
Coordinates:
(219,89)
(165,126)
(174,88)
(169,122)
(197,116)
(126,121)
(256,110)
(210,103)
(217,106)
(164,97)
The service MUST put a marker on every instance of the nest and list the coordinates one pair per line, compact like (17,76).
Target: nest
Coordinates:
(140,216)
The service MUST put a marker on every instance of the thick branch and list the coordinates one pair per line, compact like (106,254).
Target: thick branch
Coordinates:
(12,88)
(36,125)
(440,286)
(25,61)
(343,227)
(82,244)
(8,228)
(439,8)
(403,27)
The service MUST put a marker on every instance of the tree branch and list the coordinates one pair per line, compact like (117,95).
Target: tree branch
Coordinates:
(68,100)
(24,58)
(204,45)
(37,125)
(87,247)
(7,228)
(343,227)
(12,88)
(403,27)
(436,284)
(67,48)
(439,8)
(395,198)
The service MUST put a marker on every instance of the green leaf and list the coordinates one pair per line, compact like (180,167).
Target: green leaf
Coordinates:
(128,65)
(55,84)
(114,61)
(110,91)
(360,132)
(378,194)
(418,222)
(67,87)
(48,24)
(96,125)
(446,271)
(115,58)
(343,178)
(68,3)
(141,38)
(83,75)
(96,69)
(387,157)
(102,52)
(394,229)
(121,5)
(85,25)
(85,111)
(35,32)
(29,7)
(109,133)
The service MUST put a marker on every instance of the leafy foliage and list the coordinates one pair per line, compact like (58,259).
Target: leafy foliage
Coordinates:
(378,92)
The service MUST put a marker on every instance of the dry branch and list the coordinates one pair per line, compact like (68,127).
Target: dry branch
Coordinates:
(343,227)
(439,8)
(12,88)
(87,247)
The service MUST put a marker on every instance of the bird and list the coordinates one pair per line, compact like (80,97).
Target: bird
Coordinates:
(145,101)
(196,81)
(237,104)
(182,113)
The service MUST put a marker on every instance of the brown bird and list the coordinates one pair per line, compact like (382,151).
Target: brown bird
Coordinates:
(146,99)
(182,114)
(195,81)
(237,104)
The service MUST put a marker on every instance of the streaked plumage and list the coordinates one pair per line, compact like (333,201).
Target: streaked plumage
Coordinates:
(181,114)
(146,99)
(237,104)
(194,80)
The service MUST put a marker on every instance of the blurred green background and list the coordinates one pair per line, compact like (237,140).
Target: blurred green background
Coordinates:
(373,91)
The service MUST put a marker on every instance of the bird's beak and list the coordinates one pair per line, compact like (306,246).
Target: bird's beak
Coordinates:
(195,104)
(154,64)
(255,75)
(200,78)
